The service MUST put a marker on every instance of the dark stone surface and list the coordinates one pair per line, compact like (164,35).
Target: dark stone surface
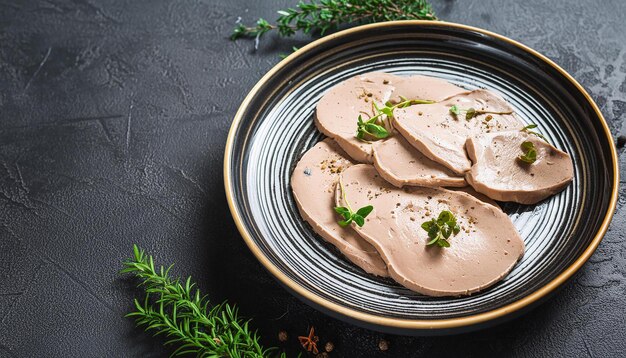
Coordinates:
(113,121)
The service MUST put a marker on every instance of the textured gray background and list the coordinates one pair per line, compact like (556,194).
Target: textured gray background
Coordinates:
(113,121)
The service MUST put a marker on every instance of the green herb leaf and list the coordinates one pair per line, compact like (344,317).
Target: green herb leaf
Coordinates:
(444,217)
(471,113)
(345,222)
(441,229)
(454,110)
(373,128)
(530,153)
(443,243)
(365,211)
(370,128)
(421,101)
(358,219)
(388,111)
(528,128)
(446,231)
(350,216)
(343,211)
(433,232)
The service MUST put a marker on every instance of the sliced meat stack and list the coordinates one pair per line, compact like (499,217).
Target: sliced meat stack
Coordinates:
(401,164)
(482,253)
(441,135)
(338,110)
(439,242)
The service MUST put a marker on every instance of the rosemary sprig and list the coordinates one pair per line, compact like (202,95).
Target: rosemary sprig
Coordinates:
(530,153)
(177,310)
(472,112)
(348,215)
(374,127)
(440,229)
(327,15)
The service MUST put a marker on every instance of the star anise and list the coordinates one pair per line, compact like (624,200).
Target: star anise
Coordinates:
(310,342)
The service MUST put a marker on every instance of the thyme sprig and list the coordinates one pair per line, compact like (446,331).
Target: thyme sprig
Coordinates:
(530,153)
(374,127)
(348,214)
(440,229)
(472,112)
(177,310)
(327,15)
(528,128)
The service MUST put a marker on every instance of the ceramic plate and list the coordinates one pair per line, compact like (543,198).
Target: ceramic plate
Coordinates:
(274,127)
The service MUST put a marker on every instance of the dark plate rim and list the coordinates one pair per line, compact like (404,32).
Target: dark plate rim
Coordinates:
(437,324)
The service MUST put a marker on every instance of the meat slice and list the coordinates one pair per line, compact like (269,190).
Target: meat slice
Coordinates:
(423,87)
(313,183)
(482,197)
(401,164)
(441,135)
(482,253)
(338,110)
(498,173)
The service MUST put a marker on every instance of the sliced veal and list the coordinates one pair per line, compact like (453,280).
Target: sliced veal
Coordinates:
(423,87)
(481,254)
(338,110)
(401,164)
(480,196)
(313,183)
(441,135)
(498,173)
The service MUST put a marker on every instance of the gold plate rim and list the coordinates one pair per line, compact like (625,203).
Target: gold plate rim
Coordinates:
(416,324)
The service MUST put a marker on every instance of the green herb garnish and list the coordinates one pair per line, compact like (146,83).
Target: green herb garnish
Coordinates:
(471,112)
(440,229)
(528,128)
(530,153)
(456,111)
(284,55)
(370,128)
(177,310)
(348,215)
(374,127)
(327,15)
